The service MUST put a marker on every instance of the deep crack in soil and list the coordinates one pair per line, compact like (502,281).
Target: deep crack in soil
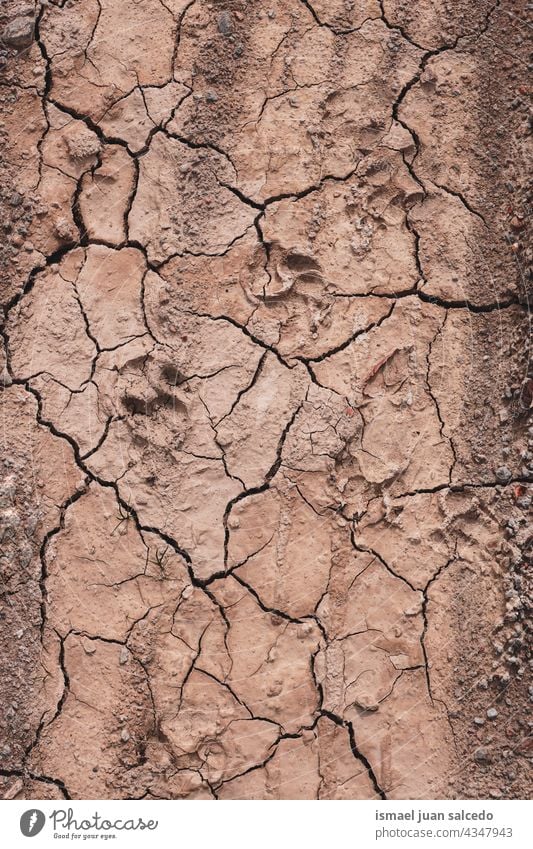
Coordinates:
(265,381)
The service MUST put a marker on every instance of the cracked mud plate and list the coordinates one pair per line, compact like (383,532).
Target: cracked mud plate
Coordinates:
(266,466)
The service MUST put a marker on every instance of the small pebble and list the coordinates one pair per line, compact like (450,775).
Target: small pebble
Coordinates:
(492,713)
(225,24)
(503,474)
(482,755)
(19,32)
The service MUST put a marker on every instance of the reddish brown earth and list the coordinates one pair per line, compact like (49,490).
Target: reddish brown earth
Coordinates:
(267,464)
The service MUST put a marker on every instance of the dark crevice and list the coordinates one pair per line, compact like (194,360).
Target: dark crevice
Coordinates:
(246,388)
(335,30)
(368,550)
(356,752)
(103,437)
(442,423)
(462,487)
(347,342)
(467,205)
(425,618)
(244,330)
(396,107)
(465,304)
(25,774)
(44,545)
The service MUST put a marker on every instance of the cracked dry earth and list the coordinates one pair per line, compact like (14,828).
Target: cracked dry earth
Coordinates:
(266,468)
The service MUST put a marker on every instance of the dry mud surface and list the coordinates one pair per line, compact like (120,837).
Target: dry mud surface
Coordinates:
(266,467)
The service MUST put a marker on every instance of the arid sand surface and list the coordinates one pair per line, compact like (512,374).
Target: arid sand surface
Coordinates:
(266,472)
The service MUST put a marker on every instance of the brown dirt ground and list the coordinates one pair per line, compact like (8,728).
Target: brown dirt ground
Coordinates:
(267,464)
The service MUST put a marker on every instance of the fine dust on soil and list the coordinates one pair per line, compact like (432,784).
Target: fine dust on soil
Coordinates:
(266,470)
